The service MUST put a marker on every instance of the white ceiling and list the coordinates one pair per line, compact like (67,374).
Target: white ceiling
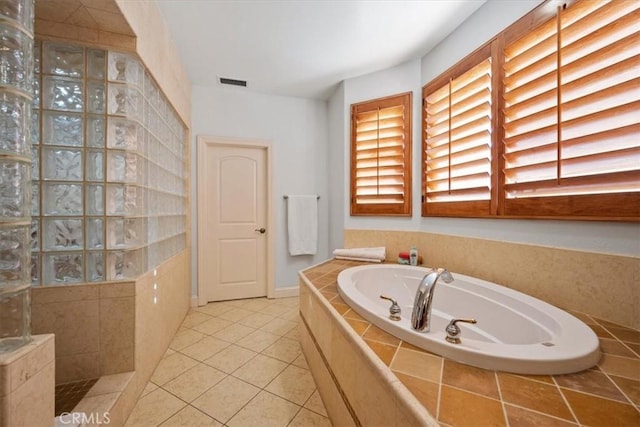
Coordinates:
(304,48)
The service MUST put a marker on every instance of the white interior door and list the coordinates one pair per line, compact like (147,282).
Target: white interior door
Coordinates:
(232,221)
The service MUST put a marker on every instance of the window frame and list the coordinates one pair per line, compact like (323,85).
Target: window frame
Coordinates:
(475,208)
(623,206)
(403,209)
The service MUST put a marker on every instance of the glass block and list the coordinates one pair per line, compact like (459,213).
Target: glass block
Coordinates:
(19,11)
(95,131)
(16,59)
(35,270)
(15,189)
(152,93)
(136,169)
(97,64)
(115,233)
(35,235)
(95,233)
(152,173)
(95,266)
(95,97)
(35,126)
(116,166)
(62,199)
(133,200)
(125,68)
(61,268)
(14,256)
(35,163)
(62,129)
(152,229)
(95,165)
(125,100)
(125,232)
(94,200)
(63,94)
(123,133)
(15,328)
(15,123)
(62,59)
(123,167)
(35,199)
(36,92)
(124,264)
(37,50)
(115,199)
(62,164)
(62,234)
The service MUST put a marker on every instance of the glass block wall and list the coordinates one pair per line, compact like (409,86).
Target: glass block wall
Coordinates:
(110,197)
(16,91)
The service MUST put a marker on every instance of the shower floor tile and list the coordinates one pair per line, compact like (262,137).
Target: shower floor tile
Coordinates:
(70,394)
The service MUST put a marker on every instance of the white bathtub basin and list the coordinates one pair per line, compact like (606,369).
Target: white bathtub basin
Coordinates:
(515,332)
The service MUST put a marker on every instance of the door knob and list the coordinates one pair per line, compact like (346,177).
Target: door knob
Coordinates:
(261,230)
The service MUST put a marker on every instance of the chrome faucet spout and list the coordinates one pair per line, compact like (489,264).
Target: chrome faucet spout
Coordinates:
(421,315)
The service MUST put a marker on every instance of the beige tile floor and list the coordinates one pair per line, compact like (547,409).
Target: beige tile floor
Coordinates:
(235,363)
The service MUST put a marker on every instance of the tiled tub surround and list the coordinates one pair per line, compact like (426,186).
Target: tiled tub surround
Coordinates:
(602,285)
(384,379)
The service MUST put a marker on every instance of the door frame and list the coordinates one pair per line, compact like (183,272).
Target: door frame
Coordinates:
(203,142)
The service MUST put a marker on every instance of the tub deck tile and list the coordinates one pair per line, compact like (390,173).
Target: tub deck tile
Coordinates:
(459,395)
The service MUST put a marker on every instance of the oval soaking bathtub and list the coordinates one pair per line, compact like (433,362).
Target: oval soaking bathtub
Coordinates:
(514,333)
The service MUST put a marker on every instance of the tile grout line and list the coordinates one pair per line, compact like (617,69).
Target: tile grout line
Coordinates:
(502,402)
(566,401)
(439,401)
(226,375)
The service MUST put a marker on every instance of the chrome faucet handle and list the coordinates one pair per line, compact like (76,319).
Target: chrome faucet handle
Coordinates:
(453,331)
(394,310)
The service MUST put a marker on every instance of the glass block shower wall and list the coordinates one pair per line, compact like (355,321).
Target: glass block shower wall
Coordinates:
(16,91)
(110,171)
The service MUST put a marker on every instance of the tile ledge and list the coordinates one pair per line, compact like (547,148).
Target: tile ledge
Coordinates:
(401,392)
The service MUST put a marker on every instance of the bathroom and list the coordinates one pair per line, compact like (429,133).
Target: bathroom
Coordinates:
(564,253)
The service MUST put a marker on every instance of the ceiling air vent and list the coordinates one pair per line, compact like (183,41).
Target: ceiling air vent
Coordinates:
(232,82)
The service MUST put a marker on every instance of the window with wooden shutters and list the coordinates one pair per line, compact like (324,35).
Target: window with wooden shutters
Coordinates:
(457,140)
(565,117)
(381,156)
(572,114)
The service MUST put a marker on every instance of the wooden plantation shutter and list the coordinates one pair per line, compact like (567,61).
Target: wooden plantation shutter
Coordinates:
(381,156)
(457,140)
(572,115)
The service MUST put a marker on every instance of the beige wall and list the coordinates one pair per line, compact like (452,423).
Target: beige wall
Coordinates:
(602,285)
(157,50)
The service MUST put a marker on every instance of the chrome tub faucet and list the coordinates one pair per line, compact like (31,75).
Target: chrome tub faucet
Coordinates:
(421,315)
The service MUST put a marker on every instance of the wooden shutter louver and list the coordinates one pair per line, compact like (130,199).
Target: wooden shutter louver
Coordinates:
(457,147)
(381,157)
(572,114)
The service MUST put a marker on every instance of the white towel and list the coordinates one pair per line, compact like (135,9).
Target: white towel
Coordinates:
(362,254)
(302,218)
